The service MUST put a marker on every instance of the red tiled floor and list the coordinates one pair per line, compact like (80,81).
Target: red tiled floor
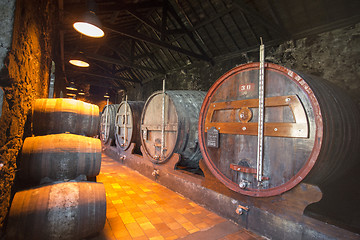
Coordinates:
(139,208)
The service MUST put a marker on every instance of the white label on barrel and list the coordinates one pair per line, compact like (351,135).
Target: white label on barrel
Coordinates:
(212,138)
(247,87)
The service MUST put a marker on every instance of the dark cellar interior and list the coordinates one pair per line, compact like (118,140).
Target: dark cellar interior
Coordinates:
(258,143)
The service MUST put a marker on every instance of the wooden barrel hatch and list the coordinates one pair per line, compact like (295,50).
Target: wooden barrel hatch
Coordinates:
(310,130)
(179,125)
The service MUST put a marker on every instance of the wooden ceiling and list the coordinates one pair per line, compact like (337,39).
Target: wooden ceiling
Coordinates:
(145,39)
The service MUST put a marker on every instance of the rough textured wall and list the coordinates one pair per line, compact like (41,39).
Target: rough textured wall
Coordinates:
(7,8)
(333,56)
(26,71)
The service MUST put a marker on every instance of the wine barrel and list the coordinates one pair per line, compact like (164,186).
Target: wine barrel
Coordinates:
(311,130)
(127,124)
(107,123)
(60,115)
(180,126)
(67,211)
(59,157)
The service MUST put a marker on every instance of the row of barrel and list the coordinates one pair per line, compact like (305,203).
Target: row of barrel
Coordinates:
(309,130)
(60,159)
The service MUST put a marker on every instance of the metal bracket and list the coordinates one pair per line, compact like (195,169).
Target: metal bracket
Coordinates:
(240,209)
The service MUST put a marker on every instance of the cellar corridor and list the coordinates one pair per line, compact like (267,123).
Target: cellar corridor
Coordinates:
(139,208)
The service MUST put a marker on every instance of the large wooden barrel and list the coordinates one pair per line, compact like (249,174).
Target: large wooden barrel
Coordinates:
(107,123)
(67,211)
(59,157)
(180,126)
(127,124)
(311,130)
(60,115)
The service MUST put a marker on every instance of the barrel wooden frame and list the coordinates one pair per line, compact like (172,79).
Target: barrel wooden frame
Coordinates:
(182,111)
(304,171)
(134,110)
(107,130)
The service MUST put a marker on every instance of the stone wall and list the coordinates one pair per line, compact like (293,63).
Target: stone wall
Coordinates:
(24,77)
(333,56)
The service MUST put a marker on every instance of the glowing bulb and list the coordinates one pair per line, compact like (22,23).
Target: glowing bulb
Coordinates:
(88,29)
(79,63)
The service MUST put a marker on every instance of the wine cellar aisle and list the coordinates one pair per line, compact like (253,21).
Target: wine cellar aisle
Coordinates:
(139,208)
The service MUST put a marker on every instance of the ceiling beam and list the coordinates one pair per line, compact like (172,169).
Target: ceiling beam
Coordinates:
(156,42)
(115,6)
(106,76)
(242,6)
(119,62)
(164,19)
(144,20)
(190,34)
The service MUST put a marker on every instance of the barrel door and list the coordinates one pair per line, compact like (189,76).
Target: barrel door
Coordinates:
(173,130)
(127,124)
(293,130)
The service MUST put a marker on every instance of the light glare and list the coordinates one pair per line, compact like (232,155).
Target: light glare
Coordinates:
(79,63)
(88,29)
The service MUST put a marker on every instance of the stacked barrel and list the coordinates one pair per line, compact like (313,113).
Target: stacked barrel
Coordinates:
(61,156)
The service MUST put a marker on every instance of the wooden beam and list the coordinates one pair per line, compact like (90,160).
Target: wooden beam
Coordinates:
(106,76)
(164,19)
(190,34)
(115,6)
(144,20)
(156,42)
(119,62)
(242,6)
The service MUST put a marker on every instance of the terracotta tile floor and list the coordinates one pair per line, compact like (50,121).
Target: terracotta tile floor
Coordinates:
(139,208)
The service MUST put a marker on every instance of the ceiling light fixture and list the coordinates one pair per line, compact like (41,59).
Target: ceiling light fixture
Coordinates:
(71,86)
(79,63)
(89,24)
(106,95)
(81,92)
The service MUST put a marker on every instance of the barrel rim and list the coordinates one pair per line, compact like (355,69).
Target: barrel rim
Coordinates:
(308,165)
(141,132)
